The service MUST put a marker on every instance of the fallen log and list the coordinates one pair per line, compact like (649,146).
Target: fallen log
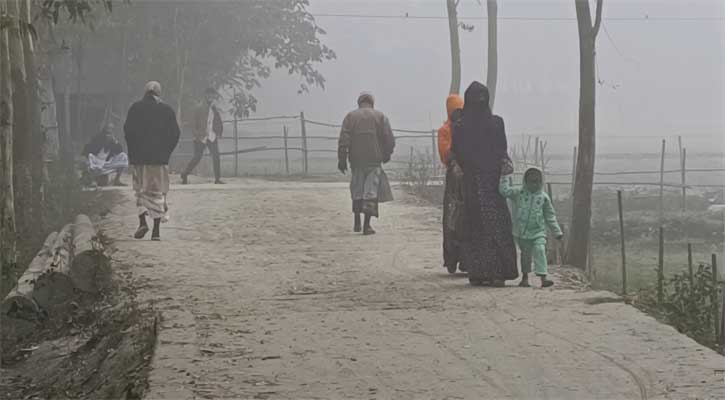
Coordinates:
(19,303)
(90,268)
(54,285)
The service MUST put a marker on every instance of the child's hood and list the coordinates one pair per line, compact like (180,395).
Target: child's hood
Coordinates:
(531,187)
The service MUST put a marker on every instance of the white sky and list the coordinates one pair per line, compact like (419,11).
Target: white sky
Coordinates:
(661,78)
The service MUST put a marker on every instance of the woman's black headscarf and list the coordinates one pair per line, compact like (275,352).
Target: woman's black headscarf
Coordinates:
(481,139)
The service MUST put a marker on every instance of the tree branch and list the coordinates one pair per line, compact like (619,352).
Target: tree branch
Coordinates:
(598,19)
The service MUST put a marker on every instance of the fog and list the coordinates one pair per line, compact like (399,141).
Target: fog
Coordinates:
(660,76)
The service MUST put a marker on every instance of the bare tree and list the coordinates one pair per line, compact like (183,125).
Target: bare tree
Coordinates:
(7,203)
(36,151)
(455,46)
(578,247)
(22,147)
(492,71)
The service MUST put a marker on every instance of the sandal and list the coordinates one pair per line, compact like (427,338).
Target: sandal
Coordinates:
(141,232)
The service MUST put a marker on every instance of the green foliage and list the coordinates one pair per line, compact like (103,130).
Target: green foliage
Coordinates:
(189,46)
(76,10)
(7,21)
(688,306)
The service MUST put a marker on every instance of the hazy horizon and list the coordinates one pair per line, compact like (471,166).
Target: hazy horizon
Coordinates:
(660,77)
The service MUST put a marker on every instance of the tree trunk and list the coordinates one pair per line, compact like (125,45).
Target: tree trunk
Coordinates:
(492,72)
(7,201)
(79,53)
(54,285)
(37,148)
(578,249)
(19,303)
(455,47)
(61,86)
(22,147)
(77,263)
(90,269)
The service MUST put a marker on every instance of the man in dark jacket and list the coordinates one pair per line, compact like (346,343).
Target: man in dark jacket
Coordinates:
(367,141)
(208,128)
(152,134)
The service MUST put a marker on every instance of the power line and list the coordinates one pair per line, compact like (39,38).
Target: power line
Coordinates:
(518,18)
(616,48)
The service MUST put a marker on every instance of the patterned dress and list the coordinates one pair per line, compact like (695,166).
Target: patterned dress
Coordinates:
(452,219)
(488,251)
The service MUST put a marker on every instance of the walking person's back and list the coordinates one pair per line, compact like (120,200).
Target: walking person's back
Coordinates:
(152,134)
(367,142)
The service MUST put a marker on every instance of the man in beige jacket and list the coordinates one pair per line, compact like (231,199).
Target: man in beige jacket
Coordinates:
(208,129)
(367,141)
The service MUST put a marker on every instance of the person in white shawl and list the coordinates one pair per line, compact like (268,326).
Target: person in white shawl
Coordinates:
(105,157)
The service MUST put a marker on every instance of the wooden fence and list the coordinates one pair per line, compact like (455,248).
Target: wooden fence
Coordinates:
(717,300)
(537,157)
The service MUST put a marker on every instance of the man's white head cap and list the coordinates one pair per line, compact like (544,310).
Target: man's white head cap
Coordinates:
(153,87)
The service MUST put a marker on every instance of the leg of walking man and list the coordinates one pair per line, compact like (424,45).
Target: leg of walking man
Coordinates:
(216,161)
(198,154)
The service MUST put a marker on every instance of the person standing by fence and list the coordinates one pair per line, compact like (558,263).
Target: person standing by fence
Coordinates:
(452,198)
(152,134)
(367,141)
(208,129)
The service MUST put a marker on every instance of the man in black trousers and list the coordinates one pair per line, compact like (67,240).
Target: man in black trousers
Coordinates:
(208,129)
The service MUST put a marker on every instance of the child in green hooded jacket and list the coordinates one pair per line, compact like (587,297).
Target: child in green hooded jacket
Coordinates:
(532,214)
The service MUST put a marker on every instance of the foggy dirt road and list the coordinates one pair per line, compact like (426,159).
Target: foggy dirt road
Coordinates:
(265,292)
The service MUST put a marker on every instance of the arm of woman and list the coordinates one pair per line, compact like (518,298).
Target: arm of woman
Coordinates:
(456,128)
(501,142)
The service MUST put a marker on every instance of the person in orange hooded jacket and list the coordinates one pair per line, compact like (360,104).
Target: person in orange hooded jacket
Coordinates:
(453,102)
(452,200)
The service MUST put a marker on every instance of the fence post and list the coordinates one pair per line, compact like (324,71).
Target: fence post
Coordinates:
(621,234)
(236,147)
(715,300)
(573,170)
(304,143)
(662,183)
(661,268)
(543,160)
(557,248)
(286,151)
(684,180)
(434,147)
(722,324)
(590,259)
(690,267)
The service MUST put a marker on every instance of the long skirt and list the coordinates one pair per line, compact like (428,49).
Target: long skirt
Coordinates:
(488,251)
(368,188)
(151,184)
(452,218)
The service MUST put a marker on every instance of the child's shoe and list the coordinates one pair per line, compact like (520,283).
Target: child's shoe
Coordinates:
(546,282)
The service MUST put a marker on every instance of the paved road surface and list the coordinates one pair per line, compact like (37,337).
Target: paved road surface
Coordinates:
(266,293)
